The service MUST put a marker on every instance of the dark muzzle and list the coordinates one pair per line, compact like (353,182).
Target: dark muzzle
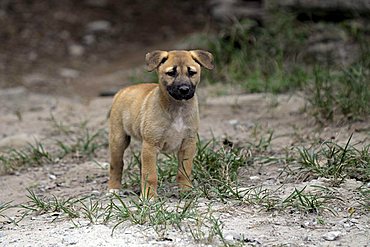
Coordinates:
(183,91)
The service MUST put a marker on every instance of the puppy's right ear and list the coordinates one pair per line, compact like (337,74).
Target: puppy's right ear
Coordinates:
(154,59)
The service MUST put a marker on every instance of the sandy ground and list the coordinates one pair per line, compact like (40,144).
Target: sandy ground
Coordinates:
(25,116)
(55,67)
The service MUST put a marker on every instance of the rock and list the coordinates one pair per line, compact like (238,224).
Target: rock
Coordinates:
(76,50)
(254,178)
(354,221)
(18,141)
(69,73)
(331,236)
(95,193)
(233,122)
(229,237)
(98,26)
(52,177)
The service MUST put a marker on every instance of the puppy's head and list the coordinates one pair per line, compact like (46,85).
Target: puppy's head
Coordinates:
(179,71)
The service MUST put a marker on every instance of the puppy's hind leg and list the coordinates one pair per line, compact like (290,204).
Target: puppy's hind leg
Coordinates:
(118,142)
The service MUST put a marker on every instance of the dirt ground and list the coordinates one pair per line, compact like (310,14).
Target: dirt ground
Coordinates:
(41,91)
(231,116)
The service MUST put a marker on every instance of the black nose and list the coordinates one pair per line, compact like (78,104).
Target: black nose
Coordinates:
(184,89)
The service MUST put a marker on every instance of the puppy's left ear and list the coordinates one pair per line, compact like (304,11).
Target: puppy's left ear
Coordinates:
(154,59)
(204,58)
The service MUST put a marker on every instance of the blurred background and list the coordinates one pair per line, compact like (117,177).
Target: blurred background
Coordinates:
(49,46)
(94,47)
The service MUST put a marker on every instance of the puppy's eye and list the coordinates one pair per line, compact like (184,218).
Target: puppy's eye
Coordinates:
(191,72)
(171,73)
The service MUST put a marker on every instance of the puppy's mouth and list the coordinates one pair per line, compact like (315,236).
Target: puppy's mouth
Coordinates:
(182,91)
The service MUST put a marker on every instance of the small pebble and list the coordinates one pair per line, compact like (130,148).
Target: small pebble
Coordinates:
(331,236)
(354,221)
(69,73)
(95,192)
(98,26)
(76,50)
(254,177)
(233,121)
(306,224)
(229,237)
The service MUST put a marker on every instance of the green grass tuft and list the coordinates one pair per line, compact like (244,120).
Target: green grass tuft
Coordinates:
(336,162)
(32,155)
(311,202)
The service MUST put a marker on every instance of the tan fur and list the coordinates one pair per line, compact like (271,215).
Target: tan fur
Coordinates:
(148,113)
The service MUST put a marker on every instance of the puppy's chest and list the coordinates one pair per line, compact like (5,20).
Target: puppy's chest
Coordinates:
(175,133)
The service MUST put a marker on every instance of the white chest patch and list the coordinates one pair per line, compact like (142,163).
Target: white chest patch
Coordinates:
(175,134)
(178,124)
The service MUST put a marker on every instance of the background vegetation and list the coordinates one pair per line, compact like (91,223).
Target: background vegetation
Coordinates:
(275,58)
(279,55)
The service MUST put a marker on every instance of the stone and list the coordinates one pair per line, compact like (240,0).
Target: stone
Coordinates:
(331,236)
(98,26)
(95,193)
(69,73)
(254,178)
(76,50)
(229,237)
(233,122)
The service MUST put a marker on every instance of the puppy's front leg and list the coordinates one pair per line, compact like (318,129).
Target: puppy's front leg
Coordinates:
(149,180)
(185,156)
